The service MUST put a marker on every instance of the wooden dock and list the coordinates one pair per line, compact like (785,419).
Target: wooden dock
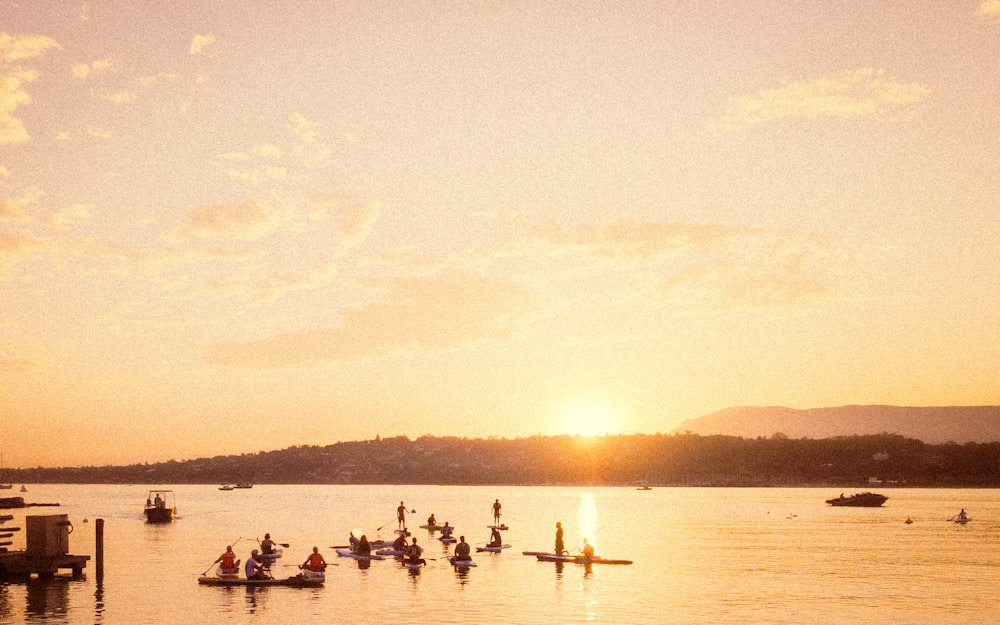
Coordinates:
(19,565)
(48,542)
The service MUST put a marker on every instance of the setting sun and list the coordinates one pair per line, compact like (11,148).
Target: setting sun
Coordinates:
(588,416)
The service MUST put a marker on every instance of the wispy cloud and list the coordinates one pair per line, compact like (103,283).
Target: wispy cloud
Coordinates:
(13,79)
(245,221)
(84,71)
(990,8)
(433,312)
(710,266)
(857,93)
(200,42)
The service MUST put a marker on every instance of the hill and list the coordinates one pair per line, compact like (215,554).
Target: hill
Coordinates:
(934,425)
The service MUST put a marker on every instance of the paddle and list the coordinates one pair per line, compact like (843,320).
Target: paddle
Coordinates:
(379,529)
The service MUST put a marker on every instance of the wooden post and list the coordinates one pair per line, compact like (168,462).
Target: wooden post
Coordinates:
(99,549)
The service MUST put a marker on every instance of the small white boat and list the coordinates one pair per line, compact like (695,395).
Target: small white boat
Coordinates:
(347,553)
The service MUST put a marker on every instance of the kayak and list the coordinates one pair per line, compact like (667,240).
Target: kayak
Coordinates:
(448,539)
(347,553)
(460,564)
(551,557)
(297,581)
(431,526)
(493,549)
(412,565)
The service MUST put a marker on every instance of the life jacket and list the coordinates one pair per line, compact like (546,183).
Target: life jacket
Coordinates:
(414,551)
(315,562)
(228,560)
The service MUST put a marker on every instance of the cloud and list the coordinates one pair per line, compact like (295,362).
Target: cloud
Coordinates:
(990,8)
(14,248)
(858,93)
(84,71)
(71,216)
(246,221)
(12,81)
(436,312)
(626,237)
(353,218)
(200,42)
(15,209)
(24,47)
(708,266)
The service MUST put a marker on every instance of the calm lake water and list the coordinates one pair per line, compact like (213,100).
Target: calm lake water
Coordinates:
(719,555)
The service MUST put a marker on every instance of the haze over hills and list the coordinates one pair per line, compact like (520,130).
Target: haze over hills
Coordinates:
(934,424)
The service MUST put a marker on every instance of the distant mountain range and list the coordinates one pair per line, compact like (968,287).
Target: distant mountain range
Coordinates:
(933,425)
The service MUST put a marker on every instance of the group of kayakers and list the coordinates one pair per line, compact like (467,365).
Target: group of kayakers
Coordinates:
(258,565)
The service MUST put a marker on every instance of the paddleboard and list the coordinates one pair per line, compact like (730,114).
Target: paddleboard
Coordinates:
(493,549)
(460,564)
(297,581)
(551,557)
(347,553)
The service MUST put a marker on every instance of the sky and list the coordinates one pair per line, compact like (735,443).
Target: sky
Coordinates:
(238,226)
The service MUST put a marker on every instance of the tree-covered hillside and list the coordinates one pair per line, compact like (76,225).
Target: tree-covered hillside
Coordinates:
(658,459)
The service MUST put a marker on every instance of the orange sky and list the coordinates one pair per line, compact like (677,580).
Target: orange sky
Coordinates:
(228,227)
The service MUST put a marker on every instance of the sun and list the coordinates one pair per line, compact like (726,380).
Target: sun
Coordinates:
(588,416)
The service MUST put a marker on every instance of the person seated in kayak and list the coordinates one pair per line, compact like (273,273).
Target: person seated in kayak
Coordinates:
(962,516)
(399,544)
(315,562)
(495,540)
(588,549)
(267,546)
(462,549)
(363,548)
(228,562)
(446,530)
(431,520)
(560,547)
(414,551)
(253,568)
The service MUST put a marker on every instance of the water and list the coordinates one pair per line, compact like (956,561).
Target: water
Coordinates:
(700,556)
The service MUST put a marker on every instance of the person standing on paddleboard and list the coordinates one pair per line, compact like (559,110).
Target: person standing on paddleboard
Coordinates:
(560,547)
(496,512)
(401,515)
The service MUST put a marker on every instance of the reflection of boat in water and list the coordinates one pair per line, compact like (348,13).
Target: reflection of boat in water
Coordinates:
(859,500)
(160,506)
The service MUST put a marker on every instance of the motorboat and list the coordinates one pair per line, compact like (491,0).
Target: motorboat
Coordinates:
(859,500)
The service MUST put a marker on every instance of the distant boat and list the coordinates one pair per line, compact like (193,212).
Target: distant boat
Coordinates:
(859,500)
(244,485)
(24,489)
(160,506)
(227,487)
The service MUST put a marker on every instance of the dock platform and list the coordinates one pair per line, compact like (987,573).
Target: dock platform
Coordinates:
(19,565)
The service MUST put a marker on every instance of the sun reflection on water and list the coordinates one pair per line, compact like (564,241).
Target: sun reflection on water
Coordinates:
(587,518)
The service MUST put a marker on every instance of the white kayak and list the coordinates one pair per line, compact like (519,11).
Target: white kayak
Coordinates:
(493,549)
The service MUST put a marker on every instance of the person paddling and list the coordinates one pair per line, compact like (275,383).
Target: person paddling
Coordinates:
(414,551)
(462,549)
(228,562)
(254,569)
(495,540)
(588,550)
(315,562)
(401,516)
